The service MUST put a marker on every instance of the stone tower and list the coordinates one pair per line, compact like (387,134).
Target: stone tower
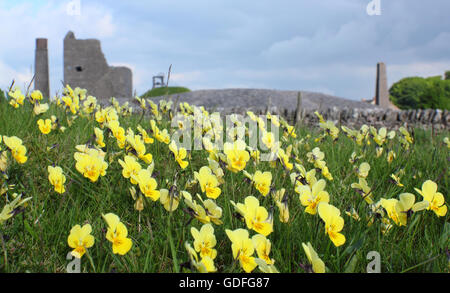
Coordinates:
(381,88)
(41,75)
(85,66)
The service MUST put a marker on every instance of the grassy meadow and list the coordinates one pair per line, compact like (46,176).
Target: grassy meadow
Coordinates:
(319,204)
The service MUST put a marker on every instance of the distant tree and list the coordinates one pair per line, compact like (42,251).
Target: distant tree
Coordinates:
(447,75)
(421,93)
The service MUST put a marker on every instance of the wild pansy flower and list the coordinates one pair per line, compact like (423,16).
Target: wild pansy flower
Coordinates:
(363,188)
(262,246)
(170,200)
(91,164)
(147,184)
(262,181)
(399,210)
(311,197)
(57,178)
(236,155)
(256,216)
(80,239)
(10,208)
(117,234)
(179,154)
(433,197)
(363,170)
(137,146)
(205,265)
(317,265)
(130,168)
(45,126)
(18,150)
(204,241)
(208,182)
(99,138)
(242,248)
(333,222)
(281,200)
(16,97)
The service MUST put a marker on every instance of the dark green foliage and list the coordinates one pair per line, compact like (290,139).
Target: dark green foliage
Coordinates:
(447,75)
(421,93)
(2,97)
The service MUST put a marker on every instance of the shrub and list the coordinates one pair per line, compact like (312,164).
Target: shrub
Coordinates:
(421,93)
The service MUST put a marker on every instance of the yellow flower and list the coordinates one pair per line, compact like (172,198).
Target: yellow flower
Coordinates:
(17,98)
(435,198)
(256,216)
(236,155)
(311,197)
(205,265)
(80,239)
(118,132)
(268,139)
(145,136)
(243,249)
(18,150)
(57,178)
(363,188)
(138,147)
(262,246)
(8,209)
(208,182)
(99,137)
(91,164)
(179,154)
(169,201)
(117,234)
(396,180)
(447,142)
(40,108)
(209,212)
(130,167)
(161,136)
(363,170)
(390,156)
(262,182)
(400,210)
(204,241)
(89,105)
(333,222)
(3,161)
(317,264)
(147,184)
(284,158)
(45,127)
(281,200)
(265,268)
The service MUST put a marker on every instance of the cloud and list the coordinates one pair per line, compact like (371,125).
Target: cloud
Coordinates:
(326,45)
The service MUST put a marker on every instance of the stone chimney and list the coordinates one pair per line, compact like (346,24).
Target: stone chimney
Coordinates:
(381,88)
(41,79)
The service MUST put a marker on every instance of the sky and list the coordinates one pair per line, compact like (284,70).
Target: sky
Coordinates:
(324,46)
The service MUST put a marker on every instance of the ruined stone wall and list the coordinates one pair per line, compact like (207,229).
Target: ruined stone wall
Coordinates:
(427,118)
(85,66)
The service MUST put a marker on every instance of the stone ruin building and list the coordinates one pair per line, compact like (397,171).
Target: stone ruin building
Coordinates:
(85,66)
